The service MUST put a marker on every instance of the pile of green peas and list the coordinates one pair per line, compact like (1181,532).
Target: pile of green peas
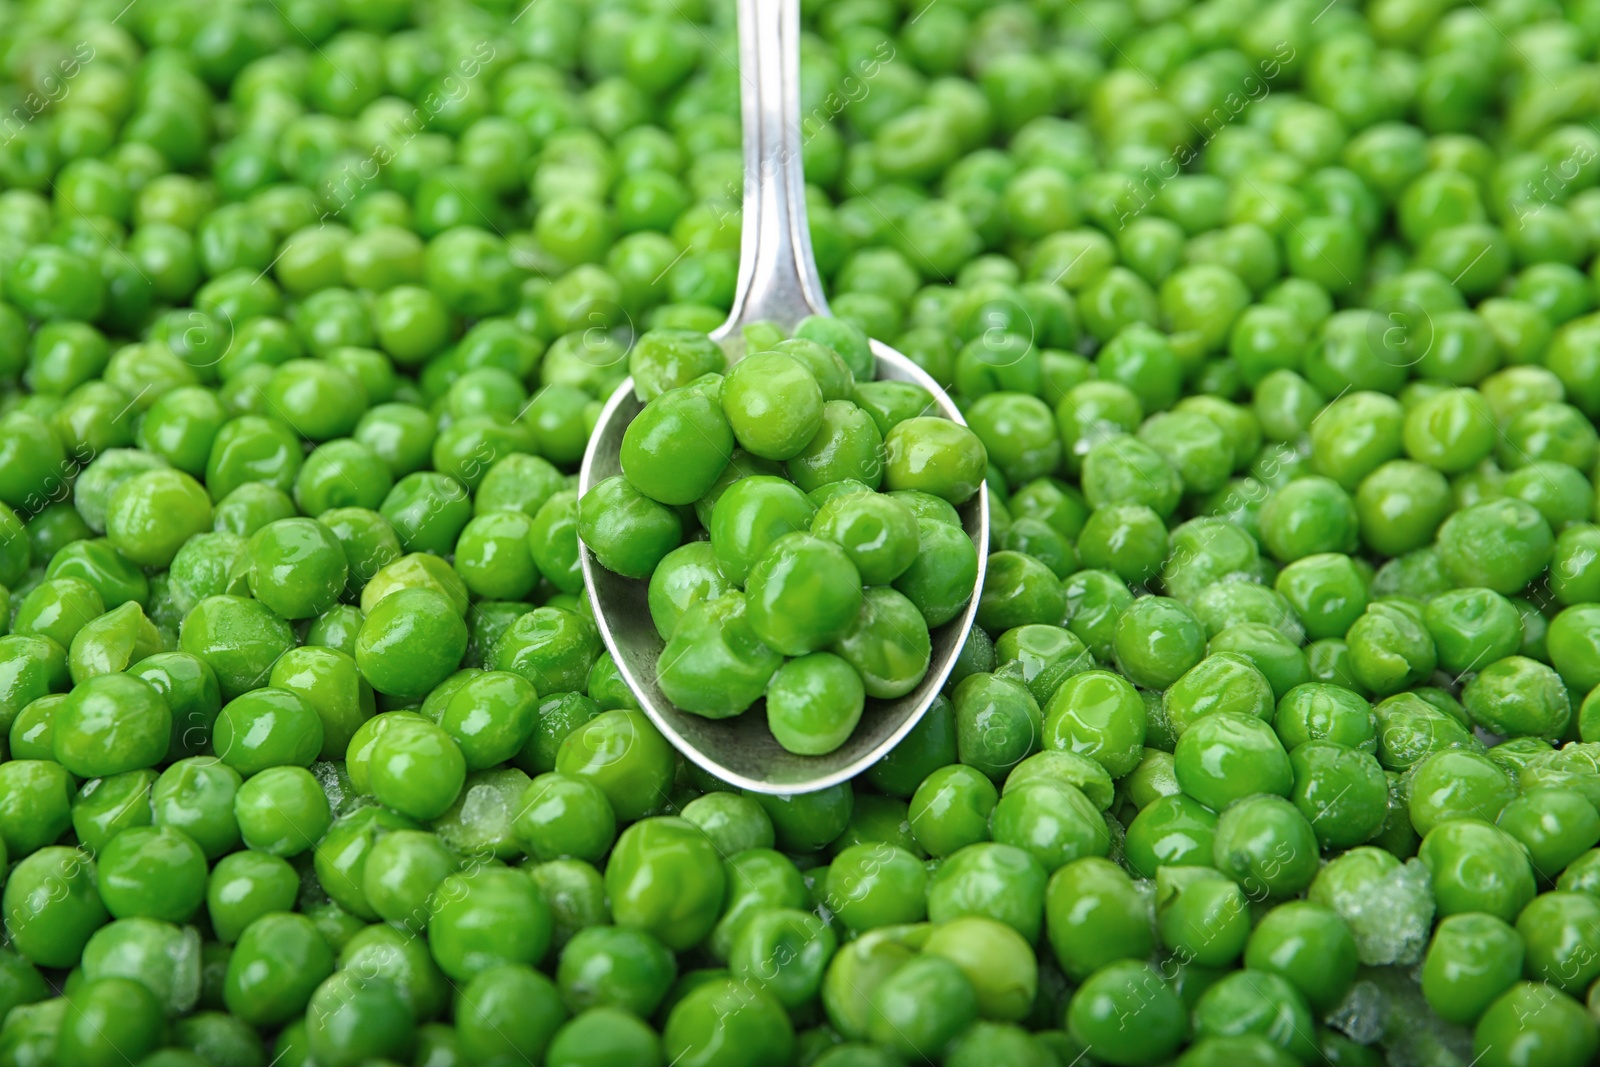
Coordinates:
(812,589)
(1275,324)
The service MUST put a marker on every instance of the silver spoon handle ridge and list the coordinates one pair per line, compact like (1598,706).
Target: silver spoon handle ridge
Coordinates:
(778,280)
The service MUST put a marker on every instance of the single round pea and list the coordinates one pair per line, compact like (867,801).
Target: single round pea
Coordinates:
(773,404)
(1225,756)
(243,886)
(1531,1022)
(677,446)
(1017,590)
(282,811)
(674,849)
(1518,697)
(1260,1003)
(1456,784)
(753,513)
(1119,991)
(802,594)
(238,638)
(878,532)
(1157,640)
(1472,959)
(296,567)
(109,724)
(623,754)
(887,643)
(1202,915)
(152,514)
(152,872)
(1267,845)
(1223,682)
(814,703)
(1390,647)
(409,642)
(1499,544)
(1096,917)
(935,456)
(1099,715)
(267,728)
(1554,824)
(1477,867)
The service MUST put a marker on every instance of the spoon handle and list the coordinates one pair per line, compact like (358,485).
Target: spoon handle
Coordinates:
(778,278)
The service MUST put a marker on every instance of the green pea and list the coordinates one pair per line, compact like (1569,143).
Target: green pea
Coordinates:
(1457,784)
(1559,1031)
(1553,824)
(1110,995)
(1260,1003)
(1157,640)
(724,1010)
(659,848)
(1500,545)
(623,754)
(1170,831)
(1472,959)
(814,703)
(282,811)
(151,515)
(244,886)
(238,638)
(1517,697)
(887,643)
(111,642)
(111,723)
(1096,917)
(1341,791)
(1477,867)
(1202,915)
(951,809)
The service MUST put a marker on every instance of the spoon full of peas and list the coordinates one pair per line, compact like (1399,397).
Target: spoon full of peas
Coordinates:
(824,723)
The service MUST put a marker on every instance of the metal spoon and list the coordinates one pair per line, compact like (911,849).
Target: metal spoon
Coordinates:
(778,282)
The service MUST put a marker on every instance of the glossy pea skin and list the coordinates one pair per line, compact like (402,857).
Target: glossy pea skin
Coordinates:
(714,664)
(1562,1034)
(802,594)
(1471,960)
(297,567)
(1157,640)
(1518,697)
(1551,825)
(1017,590)
(752,514)
(111,723)
(1225,757)
(1114,991)
(951,808)
(623,754)
(1095,917)
(670,848)
(1477,867)
(1202,915)
(1341,791)
(814,703)
(677,446)
(1224,682)
(773,404)
(887,643)
(879,533)
(1099,715)
(238,638)
(409,642)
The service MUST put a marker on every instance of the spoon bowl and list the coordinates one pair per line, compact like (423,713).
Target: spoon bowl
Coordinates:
(741,750)
(778,282)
